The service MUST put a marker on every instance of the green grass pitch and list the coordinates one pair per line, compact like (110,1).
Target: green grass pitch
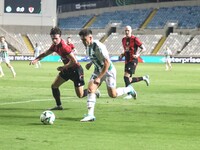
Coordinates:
(166,115)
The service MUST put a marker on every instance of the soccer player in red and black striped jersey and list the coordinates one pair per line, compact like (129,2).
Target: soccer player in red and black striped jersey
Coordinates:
(69,42)
(71,70)
(133,48)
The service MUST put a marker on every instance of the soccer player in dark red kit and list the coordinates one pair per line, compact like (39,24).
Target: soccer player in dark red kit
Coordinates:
(132,53)
(71,70)
(69,42)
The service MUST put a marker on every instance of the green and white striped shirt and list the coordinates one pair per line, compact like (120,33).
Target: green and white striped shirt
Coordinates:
(3,50)
(97,52)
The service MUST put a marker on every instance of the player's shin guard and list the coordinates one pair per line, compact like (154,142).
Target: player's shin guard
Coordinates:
(56,95)
(127,81)
(91,100)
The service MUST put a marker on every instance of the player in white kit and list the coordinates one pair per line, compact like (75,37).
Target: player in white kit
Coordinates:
(104,71)
(37,51)
(168,55)
(4,57)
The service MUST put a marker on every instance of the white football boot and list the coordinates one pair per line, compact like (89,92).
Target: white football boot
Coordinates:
(146,79)
(88,118)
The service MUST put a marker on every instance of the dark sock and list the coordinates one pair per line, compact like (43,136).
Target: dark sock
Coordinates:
(126,80)
(56,95)
(136,79)
(85,92)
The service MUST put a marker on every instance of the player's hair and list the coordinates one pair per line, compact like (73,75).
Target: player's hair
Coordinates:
(69,38)
(85,32)
(55,30)
(2,37)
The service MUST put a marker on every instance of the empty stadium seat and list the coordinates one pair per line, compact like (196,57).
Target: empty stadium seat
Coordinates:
(192,49)
(175,43)
(188,17)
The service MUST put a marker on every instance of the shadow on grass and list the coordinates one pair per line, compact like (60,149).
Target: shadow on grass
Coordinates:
(69,119)
(37,124)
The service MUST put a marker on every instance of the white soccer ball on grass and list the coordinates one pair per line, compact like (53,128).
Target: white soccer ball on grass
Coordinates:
(47,117)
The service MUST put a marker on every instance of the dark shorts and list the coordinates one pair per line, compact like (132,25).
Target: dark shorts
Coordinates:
(74,74)
(131,67)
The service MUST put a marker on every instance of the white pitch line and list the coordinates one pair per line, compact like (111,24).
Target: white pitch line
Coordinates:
(43,100)
(22,102)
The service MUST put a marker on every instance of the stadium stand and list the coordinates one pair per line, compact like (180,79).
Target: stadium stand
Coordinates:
(25,50)
(114,43)
(150,42)
(188,17)
(44,40)
(182,40)
(133,17)
(74,22)
(175,43)
(192,49)
(16,42)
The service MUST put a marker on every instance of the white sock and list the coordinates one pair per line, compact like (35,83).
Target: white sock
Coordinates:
(91,100)
(13,71)
(166,67)
(1,71)
(36,65)
(122,90)
(39,64)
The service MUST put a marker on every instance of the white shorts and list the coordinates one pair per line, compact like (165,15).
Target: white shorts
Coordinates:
(6,60)
(109,77)
(168,60)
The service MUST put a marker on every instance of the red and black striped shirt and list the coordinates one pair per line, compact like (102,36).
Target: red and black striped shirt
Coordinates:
(63,50)
(130,46)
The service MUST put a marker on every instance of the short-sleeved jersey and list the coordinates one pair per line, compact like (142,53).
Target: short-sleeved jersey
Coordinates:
(3,49)
(97,52)
(63,50)
(168,53)
(130,46)
(37,51)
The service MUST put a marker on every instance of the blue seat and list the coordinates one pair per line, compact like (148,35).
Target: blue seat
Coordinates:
(187,17)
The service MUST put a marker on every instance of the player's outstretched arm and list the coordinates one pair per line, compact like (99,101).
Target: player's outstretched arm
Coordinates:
(41,56)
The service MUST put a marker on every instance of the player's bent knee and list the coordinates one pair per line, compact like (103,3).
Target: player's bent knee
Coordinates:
(53,86)
(90,90)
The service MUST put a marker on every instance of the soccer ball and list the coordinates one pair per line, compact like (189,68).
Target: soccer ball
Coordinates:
(47,117)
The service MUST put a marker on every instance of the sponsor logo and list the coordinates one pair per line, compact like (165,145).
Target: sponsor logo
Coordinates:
(185,60)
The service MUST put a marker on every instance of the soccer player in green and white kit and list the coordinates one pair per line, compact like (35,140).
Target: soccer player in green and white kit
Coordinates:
(104,71)
(4,56)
